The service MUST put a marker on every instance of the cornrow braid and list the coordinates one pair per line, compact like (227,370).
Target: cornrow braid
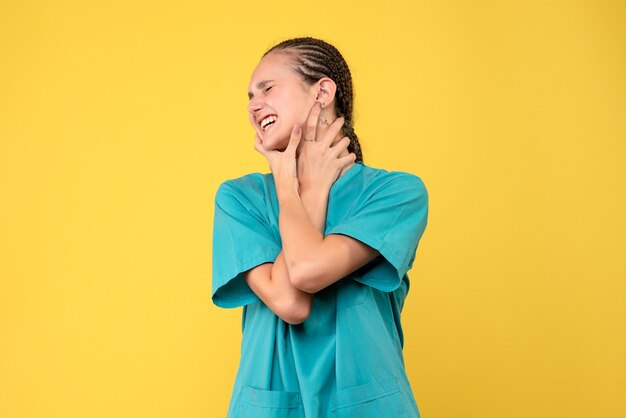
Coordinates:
(315,59)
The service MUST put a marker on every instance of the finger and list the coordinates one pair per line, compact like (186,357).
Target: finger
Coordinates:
(294,140)
(344,161)
(258,145)
(341,146)
(311,122)
(333,130)
(301,146)
(256,127)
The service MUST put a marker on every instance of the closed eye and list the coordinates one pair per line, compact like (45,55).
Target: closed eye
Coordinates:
(261,86)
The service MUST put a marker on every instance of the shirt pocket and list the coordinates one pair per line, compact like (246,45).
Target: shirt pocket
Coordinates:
(258,403)
(377,399)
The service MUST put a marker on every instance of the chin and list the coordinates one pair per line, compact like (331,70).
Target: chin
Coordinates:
(274,144)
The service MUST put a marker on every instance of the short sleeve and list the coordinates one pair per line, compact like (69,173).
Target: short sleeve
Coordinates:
(242,240)
(392,220)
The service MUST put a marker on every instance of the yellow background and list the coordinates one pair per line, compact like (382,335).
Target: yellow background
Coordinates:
(118,120)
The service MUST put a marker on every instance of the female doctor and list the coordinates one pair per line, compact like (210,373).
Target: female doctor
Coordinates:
(316,252)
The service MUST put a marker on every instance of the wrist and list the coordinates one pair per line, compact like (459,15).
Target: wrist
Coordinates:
(287,191)
(309,194)
(315,202)
(317,190)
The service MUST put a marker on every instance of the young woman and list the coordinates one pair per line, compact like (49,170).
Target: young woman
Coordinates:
(316,252)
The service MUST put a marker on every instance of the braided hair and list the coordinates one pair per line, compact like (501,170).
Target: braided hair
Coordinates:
(315,59)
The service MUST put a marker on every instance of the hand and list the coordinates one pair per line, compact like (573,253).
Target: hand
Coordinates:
(321,157)
(283,163)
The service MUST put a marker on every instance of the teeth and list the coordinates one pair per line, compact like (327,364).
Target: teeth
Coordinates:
(267,121)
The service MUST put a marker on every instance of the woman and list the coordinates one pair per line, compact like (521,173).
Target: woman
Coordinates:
(317,251)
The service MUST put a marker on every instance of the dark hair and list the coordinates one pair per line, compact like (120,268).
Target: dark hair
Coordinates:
(314,59)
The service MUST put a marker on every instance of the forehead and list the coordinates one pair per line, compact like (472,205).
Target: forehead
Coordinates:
(273,66)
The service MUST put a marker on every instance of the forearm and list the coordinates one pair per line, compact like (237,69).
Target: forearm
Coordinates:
(315,261)
(271,282)
(301,234)
(315,205)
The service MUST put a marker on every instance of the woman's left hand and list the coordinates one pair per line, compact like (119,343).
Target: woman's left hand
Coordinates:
(283,163)
(321,155)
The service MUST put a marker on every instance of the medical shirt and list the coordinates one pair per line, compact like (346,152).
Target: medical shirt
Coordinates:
(346,359)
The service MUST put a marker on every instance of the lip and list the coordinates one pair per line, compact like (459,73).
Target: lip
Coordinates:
(259,119)
(264,129)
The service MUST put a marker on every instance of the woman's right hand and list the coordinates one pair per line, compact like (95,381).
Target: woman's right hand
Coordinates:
(320,158)
(283,163)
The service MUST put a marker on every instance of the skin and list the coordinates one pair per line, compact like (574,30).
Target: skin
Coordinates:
(275,89)
(303,173)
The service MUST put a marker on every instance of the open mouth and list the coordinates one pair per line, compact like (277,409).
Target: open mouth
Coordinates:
(267,122)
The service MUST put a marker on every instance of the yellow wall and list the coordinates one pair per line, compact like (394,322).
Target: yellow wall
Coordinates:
(119,119)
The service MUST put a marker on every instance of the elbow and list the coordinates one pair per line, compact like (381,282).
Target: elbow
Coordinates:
(296,311)
(304,278)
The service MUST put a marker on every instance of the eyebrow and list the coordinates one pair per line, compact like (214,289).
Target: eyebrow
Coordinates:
(259,86)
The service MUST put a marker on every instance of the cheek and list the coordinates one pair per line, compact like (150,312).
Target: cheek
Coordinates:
(296,106)
(298,114)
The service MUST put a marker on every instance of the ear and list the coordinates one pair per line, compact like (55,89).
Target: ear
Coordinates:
(325,91)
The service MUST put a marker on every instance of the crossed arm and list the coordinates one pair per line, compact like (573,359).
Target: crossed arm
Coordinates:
(309,261)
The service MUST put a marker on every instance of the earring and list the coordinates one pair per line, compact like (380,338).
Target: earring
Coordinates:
(323,120)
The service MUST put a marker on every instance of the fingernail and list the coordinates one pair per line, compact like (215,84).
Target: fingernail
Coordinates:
(297,129)
(319,104)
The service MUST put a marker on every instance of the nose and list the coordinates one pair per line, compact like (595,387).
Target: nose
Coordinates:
(254,106)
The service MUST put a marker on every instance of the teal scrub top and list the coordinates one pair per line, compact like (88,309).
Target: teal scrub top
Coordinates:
(346,359)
